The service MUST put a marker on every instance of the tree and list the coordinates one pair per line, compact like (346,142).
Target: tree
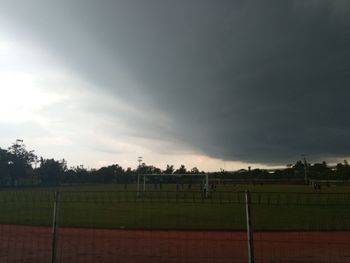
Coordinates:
(110,173)
(51,171)
(148,169)
(343,170)
(20,161)
(320,171)
(299,170)
(4,167)
(194,170)
(20,153)
(181,170)
(81,173)
(169,169)
(129,174)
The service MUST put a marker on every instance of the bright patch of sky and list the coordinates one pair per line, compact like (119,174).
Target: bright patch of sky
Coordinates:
(22,98)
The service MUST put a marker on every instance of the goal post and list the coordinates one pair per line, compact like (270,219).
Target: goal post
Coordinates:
(178,181)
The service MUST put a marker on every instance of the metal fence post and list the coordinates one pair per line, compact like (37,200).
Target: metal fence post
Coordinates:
(249,228)
(55,227)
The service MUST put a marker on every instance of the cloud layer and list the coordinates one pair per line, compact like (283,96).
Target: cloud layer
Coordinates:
(252,81)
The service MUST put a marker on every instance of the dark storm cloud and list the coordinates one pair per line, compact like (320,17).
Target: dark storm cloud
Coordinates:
(257,81)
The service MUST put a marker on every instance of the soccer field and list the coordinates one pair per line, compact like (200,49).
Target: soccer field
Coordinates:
(99,223)
(274,207)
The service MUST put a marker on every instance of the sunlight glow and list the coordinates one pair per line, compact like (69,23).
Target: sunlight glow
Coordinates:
(5,47)
(20,98)
(21,69)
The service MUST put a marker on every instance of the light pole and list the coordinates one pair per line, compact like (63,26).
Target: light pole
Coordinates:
(139,159)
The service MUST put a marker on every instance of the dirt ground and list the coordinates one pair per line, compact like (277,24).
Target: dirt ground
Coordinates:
(33,244)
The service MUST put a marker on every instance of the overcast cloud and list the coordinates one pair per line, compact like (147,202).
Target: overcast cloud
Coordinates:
(250,81)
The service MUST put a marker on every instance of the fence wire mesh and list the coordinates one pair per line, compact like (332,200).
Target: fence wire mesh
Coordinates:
(150,227)
(126,227)
(174,226)
(301,227)
(25,220)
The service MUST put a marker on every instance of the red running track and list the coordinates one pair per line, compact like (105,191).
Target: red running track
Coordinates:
(33,244)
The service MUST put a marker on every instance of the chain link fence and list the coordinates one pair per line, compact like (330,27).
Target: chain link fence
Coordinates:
(172,226)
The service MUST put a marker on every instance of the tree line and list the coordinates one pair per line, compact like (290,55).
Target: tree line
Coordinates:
(19,166)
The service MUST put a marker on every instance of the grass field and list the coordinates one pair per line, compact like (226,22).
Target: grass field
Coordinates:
(274,207)
(222,188)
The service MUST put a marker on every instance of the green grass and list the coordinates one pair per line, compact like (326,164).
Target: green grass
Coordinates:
(172,187)
(274,207)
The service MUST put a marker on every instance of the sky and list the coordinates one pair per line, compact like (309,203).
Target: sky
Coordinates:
(212,84)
